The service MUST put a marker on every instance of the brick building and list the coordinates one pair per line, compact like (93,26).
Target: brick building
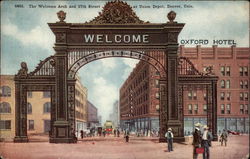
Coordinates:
(231,65)
(38,109)
(139,95)
(139,99)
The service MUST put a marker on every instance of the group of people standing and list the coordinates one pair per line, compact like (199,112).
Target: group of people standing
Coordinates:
(201,141)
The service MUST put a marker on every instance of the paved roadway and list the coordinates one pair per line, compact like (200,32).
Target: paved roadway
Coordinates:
(117,148)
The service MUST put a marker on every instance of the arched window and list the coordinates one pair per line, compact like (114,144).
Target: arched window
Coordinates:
(5,91)
(5,107)
(222,84)
(46,107)
(29,108)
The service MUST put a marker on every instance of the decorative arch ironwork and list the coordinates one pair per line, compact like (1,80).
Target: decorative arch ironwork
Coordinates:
(77,59)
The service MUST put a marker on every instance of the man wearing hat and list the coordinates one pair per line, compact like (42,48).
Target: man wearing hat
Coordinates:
(169,135)
(206,142)
(196,139)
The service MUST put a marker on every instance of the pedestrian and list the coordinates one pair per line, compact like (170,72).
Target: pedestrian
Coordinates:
(223,137)
(115,132)
(206,142)
(126,135)
(118,133)
(169,136)
(81,132)
(104,133)
(196,140)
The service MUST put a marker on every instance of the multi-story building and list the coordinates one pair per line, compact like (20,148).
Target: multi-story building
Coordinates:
(7,107)
(38,109)
(231,65)
(92,115)
(114,115)
(139,99)
(80,106)
(139,95)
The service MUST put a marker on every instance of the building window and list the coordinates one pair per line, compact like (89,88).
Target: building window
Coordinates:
(246,84)
(228,95)
(241,85)
(241,96)
(205,96)
(222,70)
(222,96)
(195,108)
(157,83)
(228,84)
(189,108)
(5,91)
(228,70)
(241,71)
(46,94)
(190,95)
(246,71)
(5,107)
(246,96)
(29,94)
(228,108)
(157,96)
(46,107)
(29,108)
(246,109)
(156,73)
(204,108)
(222,83)
(46,126)
(31,124)
(5,124)
(194,95)
(241,109)
(222,106)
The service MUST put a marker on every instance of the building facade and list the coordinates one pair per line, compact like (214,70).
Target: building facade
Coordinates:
(231,65)
(114,116)
(139,99)
(139,95)
(80,106)
(38,109)
(7,107)
(92,115)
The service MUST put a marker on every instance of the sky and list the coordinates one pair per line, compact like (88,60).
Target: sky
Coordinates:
(25,36)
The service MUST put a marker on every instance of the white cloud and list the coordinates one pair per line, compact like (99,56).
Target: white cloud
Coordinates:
(108,63)
(39,35)
(103,96)
(130,63)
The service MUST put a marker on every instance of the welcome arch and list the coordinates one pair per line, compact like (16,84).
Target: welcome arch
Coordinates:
(155,43)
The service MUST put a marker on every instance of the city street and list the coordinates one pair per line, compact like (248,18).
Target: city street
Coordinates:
(116,148)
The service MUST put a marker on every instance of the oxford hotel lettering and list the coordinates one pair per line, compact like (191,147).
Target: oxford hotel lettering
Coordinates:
(115,38)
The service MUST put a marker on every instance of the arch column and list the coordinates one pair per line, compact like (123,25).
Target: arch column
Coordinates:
(21,113)
(174,117)
(61,126)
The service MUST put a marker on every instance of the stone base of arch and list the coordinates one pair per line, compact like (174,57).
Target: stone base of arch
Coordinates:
(62,140)
(19,139)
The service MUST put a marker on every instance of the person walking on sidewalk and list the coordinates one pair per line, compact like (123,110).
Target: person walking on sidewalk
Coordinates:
(223,137)
(196,140)
(206,142)
(126,135)
(169,135)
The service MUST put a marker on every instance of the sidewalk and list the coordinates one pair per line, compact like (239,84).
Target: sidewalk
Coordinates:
(117,148)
